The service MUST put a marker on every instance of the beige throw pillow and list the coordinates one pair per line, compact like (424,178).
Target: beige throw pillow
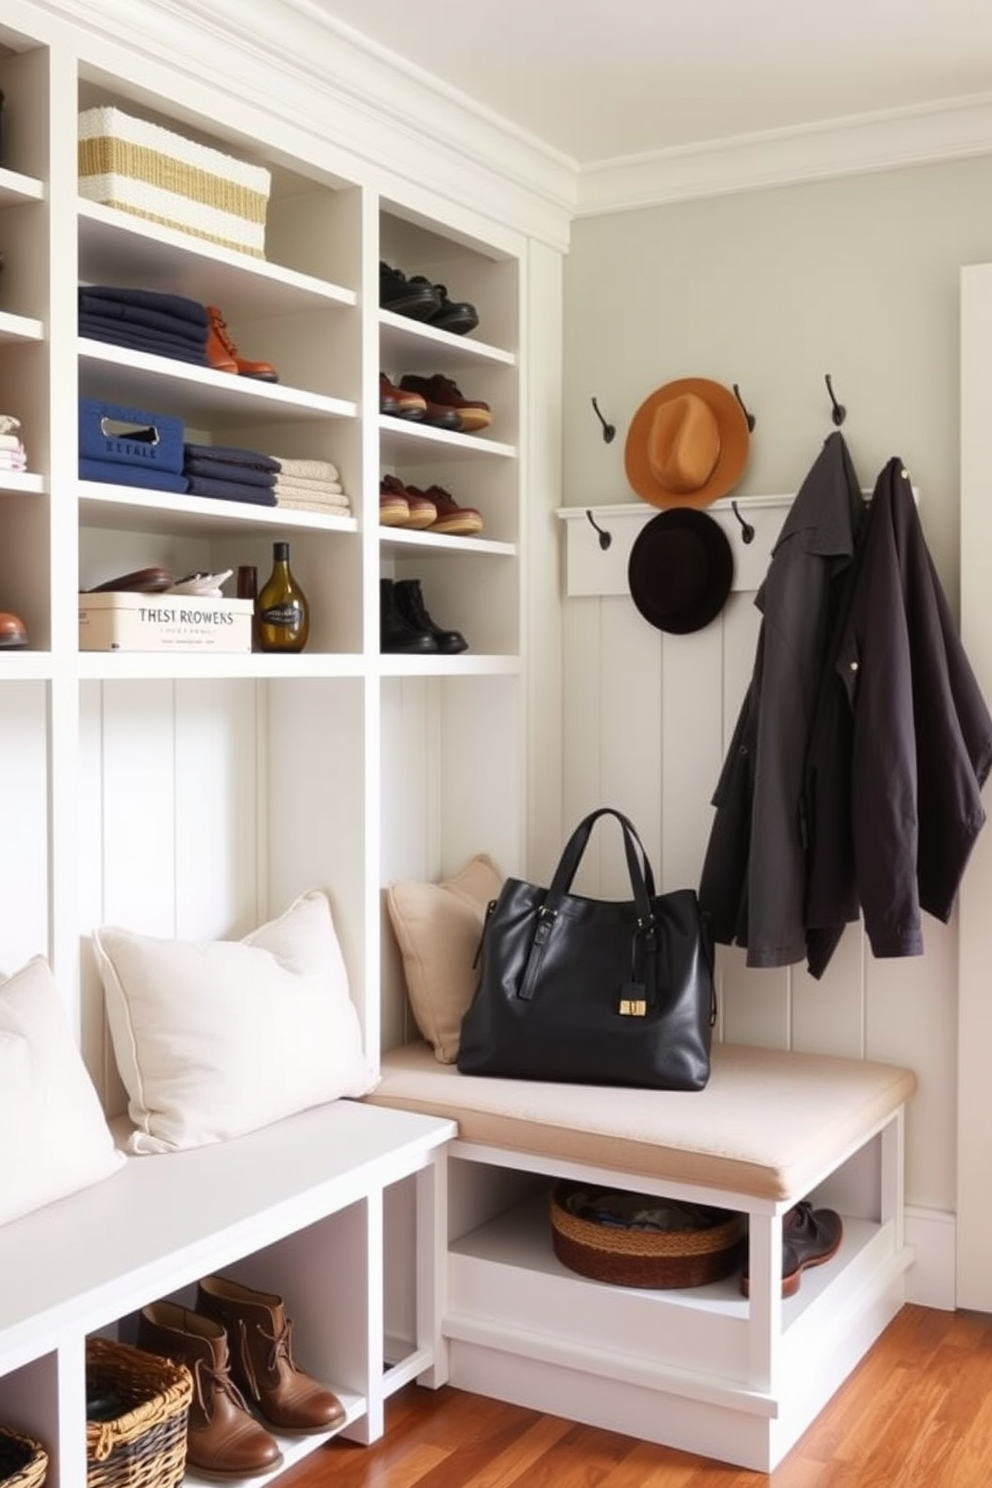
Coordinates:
(438,927)
(53,1135)
(214,1039)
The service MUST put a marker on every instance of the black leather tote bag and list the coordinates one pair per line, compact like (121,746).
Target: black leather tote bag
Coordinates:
(603,992)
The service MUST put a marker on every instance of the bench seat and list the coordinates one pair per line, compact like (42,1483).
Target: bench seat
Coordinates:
(770,1122)
(703,1369)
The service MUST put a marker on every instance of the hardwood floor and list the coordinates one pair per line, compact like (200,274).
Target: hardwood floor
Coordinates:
(917,1413)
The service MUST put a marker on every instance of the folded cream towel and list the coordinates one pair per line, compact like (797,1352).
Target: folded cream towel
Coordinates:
(308,483)
(310,491)
(339,507)
(314,469)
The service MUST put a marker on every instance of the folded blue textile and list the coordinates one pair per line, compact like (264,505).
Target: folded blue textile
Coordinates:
(132,475)
(138,315)
(232,455)
(130,436)
(222,490)
(139,338)
(149,299)
(248,475)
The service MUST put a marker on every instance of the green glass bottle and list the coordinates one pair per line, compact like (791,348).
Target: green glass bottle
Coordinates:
(282,609)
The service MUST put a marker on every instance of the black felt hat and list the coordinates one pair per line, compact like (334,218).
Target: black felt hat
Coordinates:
(680,570)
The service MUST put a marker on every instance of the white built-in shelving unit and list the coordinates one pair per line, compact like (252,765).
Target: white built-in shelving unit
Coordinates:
(197,795)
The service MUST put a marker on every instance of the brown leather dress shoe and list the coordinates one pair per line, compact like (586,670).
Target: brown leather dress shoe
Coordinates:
(420,510)
(262,1359)
(451,520)
(12,631)
(398,402)
(444,397)
(223,355)
(223,1439)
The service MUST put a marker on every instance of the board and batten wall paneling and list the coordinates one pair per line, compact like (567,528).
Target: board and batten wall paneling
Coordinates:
(169,824)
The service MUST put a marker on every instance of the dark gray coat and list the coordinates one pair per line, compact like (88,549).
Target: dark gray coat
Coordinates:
(753,883)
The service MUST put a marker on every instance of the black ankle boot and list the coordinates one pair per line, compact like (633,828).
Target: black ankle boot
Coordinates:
(410,603)
(396,632)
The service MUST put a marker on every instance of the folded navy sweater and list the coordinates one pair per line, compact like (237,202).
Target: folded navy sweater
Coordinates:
(137,338)
(149,299)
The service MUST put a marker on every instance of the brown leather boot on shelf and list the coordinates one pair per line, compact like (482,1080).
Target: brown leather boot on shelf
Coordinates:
(223,355)
(262,1360)
(223,1439)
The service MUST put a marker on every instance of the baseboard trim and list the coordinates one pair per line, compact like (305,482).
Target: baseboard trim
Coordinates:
(931,1280)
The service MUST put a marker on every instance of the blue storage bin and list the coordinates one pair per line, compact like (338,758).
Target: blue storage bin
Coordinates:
(114,434)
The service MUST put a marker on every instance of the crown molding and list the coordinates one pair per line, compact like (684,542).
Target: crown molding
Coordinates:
(292,60)
(363,103)
(858,145)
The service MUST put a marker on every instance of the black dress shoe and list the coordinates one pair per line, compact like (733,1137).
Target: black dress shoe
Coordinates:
(458,317)
(415,297)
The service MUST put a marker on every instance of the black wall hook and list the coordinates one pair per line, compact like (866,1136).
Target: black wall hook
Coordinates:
(747,531)
(749,416)
(839,411)
(609,432)
(605,538)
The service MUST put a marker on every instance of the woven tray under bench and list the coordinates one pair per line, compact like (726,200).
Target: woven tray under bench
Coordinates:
(705,1246)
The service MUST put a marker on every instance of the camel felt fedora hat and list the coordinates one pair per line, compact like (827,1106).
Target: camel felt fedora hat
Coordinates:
(687,444)
(680,570)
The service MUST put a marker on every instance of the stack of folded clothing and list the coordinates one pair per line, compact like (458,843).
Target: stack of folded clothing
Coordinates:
(230,474)
(123,446)
(13,455)
(311,485)
(167,325)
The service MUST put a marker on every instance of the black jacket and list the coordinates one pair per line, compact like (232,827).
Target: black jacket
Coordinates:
(900,748)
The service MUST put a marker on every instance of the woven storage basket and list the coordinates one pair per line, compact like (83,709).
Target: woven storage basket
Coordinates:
(142,168)
(139,1440)
(23,1461)
(627,1256)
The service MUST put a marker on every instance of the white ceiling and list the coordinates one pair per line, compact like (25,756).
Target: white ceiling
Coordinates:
(599,80)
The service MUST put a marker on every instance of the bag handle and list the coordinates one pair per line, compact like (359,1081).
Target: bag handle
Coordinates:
(636,996)
(638,866)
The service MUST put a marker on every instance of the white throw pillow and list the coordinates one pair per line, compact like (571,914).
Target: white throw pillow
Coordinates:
(438,928)
(217,1038)
(53,1135)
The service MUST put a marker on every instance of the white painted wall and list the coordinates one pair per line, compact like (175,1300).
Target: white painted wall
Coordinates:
(771,290)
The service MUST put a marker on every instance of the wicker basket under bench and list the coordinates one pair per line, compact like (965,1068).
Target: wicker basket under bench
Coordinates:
(137,1406)
(23,1461)
(701,1368)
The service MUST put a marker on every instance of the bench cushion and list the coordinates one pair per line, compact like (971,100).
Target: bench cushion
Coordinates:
(770,1124)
